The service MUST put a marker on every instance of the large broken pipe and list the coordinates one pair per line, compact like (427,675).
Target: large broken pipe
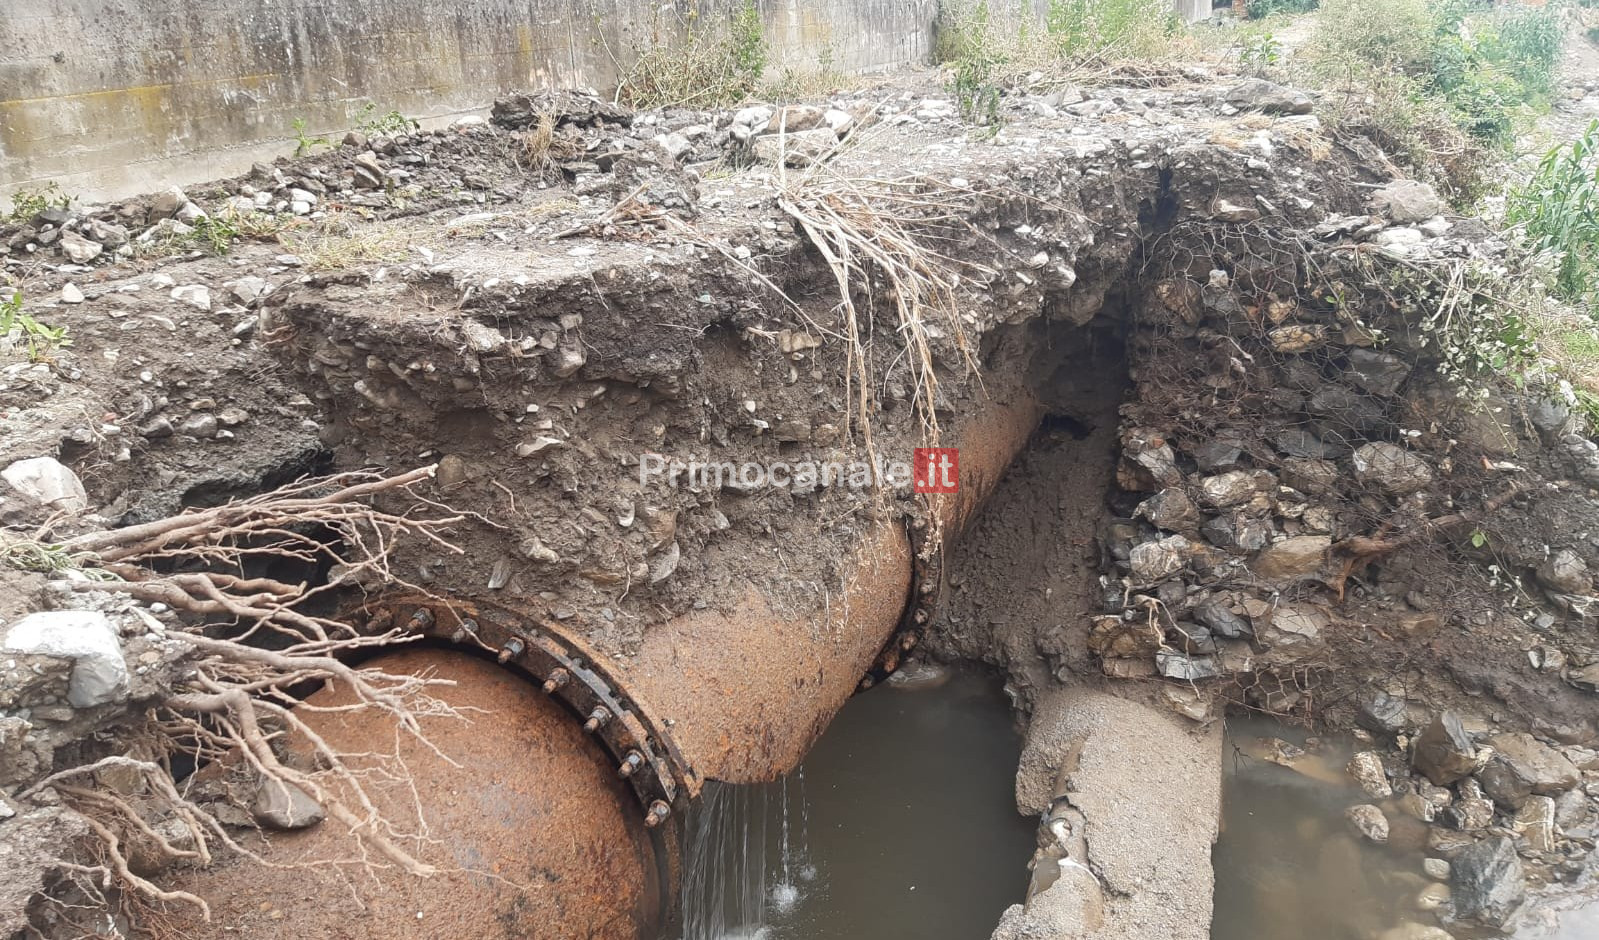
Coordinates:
(532,824)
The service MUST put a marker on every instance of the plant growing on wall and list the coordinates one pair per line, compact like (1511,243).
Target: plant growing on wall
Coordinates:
(704,70)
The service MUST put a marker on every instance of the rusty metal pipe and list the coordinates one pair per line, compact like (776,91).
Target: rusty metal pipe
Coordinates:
(532,833)
(549,825)
(759,687)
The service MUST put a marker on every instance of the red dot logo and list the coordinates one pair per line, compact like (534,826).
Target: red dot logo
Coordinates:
(936,470)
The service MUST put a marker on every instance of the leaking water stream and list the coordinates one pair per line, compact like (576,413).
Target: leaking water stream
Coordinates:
(901,823)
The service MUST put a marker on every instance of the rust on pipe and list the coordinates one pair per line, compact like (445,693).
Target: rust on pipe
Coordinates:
(747,689)
(579,807)
(533,834)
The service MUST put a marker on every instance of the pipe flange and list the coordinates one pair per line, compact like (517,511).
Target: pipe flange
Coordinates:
(928,581)
(643,750)
(569,670)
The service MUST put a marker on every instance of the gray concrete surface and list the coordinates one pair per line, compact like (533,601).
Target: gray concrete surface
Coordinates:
(1147,786)
(110,97)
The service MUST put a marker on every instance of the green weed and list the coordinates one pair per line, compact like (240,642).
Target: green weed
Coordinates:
(40,339)
(704,69)
(304,143)
(27,203)
(369,122)
(1559,211)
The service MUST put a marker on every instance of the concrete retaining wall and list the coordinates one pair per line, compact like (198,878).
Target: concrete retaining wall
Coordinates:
(109,97)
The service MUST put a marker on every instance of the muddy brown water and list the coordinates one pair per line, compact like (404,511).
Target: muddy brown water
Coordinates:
(901,823)
(1288,864)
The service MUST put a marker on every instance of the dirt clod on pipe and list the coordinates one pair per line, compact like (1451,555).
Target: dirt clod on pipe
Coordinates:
(533,833)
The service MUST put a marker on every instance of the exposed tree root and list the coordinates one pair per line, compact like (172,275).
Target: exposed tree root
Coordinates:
(237,704)
(1358,551)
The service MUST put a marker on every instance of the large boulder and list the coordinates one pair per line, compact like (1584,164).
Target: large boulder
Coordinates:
(796,148)
(1257,94)
(1444,752)
(1565,572)
(1488,882)
(1153,561)
(85,638)
(1295,557)
(1408,201)
(1391,468)
(1170,509)
(47,481)
(282,805)
(1369,821)
(1544,770)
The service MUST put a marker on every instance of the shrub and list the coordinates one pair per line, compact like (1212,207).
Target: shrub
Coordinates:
(1559,210)
(1116,27)
(27,203)
(1260,9)
(369,122)
(1421,60)
(987,50)
(704,70)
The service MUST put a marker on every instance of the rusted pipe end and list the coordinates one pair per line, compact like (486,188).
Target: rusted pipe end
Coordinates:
(532,833)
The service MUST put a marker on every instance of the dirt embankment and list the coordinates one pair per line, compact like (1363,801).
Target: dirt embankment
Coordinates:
(1240,496)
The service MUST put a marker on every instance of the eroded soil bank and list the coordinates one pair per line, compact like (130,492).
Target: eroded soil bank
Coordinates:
(1242,482)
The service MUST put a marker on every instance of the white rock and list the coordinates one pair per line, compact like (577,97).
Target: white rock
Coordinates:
(483,338)
(195,295)
(70,294)
(99,672)
(246,290)
(1435,226)
(754,117)
(79,250)
(46,480)
(674,144)
(1399,235)
(161,281)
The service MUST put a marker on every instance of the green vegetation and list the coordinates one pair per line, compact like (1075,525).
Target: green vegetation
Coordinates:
(800,83)
(1078,29)
(50,558)
(304,143)
(369,122)
(986,50)
(1258,51)
(1558,209)
(217,233)
(705,69)
(27,203)
(1260,9)
(40,339)
(1441,84)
